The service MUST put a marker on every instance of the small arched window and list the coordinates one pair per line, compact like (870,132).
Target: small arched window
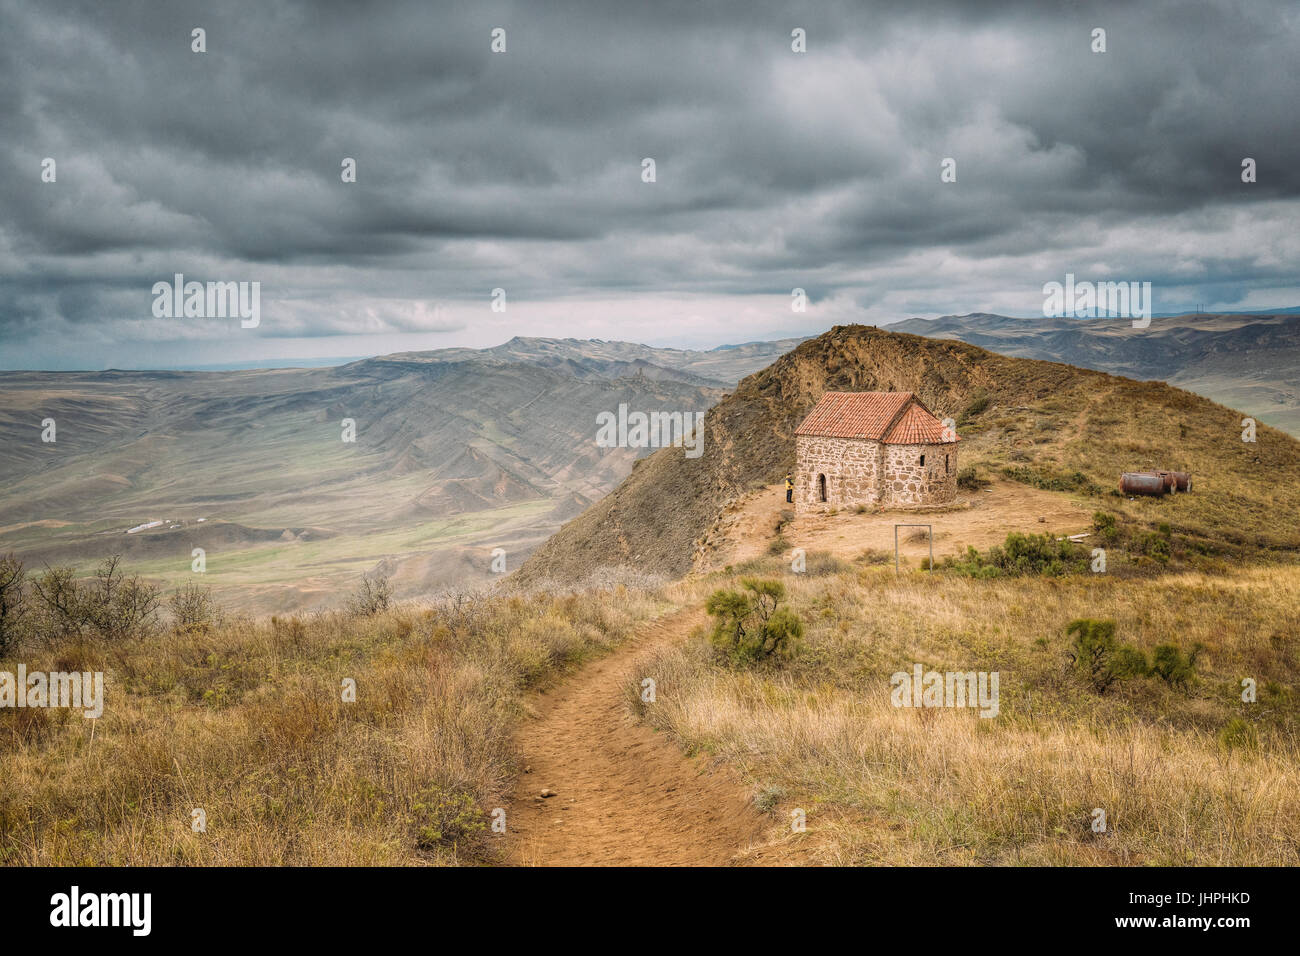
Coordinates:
(923,461)
(945,464)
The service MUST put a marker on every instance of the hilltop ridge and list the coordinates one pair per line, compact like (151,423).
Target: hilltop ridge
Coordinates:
(1042,420)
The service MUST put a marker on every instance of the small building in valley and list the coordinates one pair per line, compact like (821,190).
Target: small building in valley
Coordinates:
(873,448)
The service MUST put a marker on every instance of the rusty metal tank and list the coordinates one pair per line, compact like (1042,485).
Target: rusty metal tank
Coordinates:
(1174,480)
(1142,483)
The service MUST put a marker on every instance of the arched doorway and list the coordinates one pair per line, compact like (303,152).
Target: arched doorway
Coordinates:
(821,487)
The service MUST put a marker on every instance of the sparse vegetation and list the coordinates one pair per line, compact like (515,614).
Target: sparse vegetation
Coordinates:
(373,596)
(247,720)
(1120,690)
(1074,481)
(108,606)
(192,609)
(1174,762)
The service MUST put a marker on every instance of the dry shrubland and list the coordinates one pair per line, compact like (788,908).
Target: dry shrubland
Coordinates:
(1185,774)
(246,720)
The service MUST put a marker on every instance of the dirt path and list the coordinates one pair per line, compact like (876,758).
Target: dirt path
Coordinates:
(625,796)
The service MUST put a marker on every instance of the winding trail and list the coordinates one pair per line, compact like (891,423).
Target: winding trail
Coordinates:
(625,796)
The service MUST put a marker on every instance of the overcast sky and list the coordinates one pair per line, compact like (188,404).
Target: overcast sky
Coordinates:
(522,170)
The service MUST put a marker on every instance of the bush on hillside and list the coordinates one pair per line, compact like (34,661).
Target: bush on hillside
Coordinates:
(373,596)
(109,605)
(1022,554)
(1099,658)
(445,817)
(1152,544)
(1172,666)
(193,611)
(750,627)
(1075,481)
(1236,734)
(779,545)
(977,405)
(1103,523)
(14,608)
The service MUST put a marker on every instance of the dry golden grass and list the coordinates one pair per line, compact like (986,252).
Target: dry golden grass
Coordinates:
(903,786)
(1243,496)
(248,723)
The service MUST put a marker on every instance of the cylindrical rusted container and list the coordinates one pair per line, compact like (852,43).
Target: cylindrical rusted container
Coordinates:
(1142,483)
(1174,480)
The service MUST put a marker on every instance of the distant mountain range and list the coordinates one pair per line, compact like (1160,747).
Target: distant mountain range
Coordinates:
(457,452)
(462,451)
(1247,361)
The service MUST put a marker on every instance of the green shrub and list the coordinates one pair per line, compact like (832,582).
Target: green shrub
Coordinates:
(1103,523)
(1099,658)
(445,816)
(1022,554)
(969,479)
(1039,478)
(750,627)
(1154,545)
(779,545)
(1171,666)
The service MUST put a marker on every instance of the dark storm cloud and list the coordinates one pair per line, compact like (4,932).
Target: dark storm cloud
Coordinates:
(523,170)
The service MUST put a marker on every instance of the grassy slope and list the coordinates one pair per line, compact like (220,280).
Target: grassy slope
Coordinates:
(895,786)
(247,723)
(1047,417)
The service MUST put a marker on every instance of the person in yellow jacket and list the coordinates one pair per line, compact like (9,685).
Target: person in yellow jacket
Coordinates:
(789,488)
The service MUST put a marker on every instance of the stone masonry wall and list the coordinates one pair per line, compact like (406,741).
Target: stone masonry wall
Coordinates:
(908,482)
(851,467)
(865,472)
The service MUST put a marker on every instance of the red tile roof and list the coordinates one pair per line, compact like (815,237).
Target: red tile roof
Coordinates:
(916,426)
(897,418)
